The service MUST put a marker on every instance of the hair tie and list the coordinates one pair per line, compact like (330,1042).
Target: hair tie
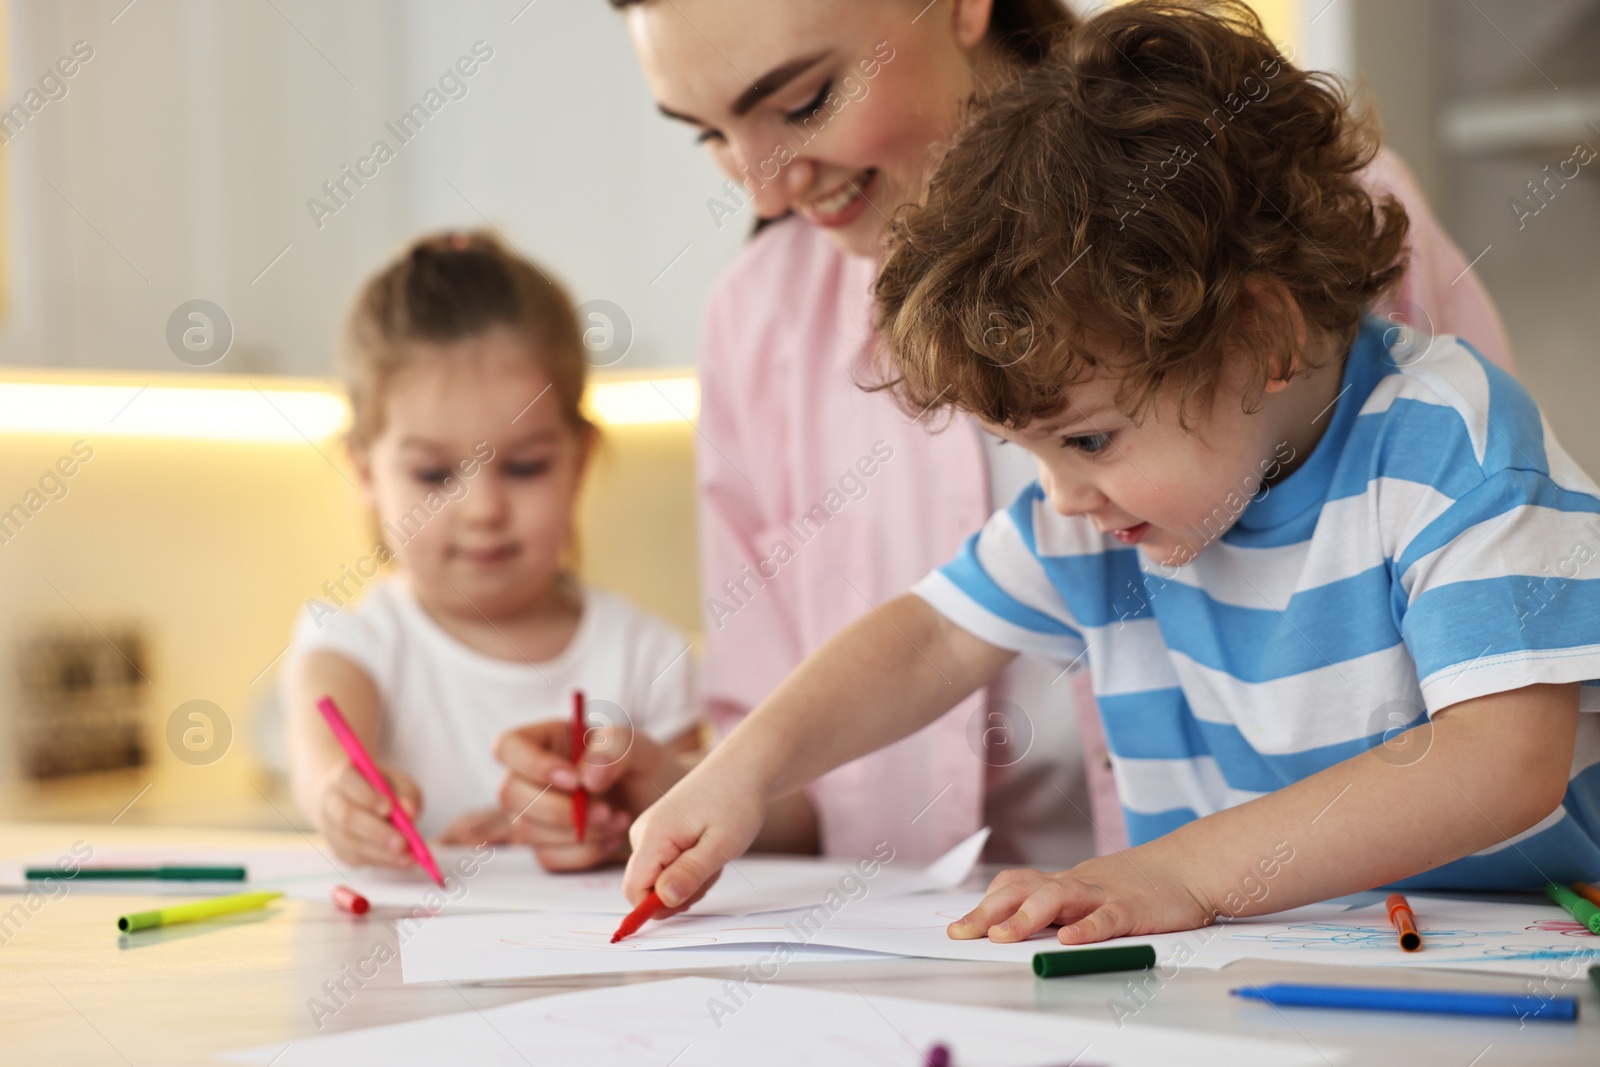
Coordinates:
(458,240)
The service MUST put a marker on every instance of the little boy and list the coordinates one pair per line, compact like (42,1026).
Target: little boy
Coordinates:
(1331,580)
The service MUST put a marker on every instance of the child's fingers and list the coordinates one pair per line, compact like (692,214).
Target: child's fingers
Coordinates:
(996,907)
(357,792)
(365,843)
(686,878)
(1111,919)
(606,757)
(694,898)
(543,816)
(658,842)
(643,866)
(366,853)
(1056,900)
(538,753)
(549,832)
(352,822)
(575,857)
(1013,876)
(406,791)
(527,803)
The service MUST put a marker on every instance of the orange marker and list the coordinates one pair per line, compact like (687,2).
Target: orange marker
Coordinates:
(1405,922)
(1587,892)
(349,900)
(638,916)
(580,796)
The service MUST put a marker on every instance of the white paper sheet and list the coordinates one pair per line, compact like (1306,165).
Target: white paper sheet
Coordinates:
(476,947)
(1458,933)
(915,926)
(512,880)
(472,948)
(696,1022)
(479,948)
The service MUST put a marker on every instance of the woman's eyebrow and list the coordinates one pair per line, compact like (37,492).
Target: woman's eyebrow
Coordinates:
(759,90)
(775,79)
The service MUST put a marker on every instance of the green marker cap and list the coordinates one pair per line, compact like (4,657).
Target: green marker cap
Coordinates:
(1579,908)
(1094,960)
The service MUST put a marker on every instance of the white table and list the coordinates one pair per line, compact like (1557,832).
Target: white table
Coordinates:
(74,991)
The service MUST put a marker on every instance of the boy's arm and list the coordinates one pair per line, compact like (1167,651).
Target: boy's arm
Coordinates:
(885,676)
(1483,771)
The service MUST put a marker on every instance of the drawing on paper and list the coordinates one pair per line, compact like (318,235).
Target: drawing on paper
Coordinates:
(1489,944)
(1324,935)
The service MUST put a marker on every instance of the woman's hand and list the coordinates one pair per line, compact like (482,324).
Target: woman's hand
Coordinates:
(623,771)
(1106,897)
(354,817)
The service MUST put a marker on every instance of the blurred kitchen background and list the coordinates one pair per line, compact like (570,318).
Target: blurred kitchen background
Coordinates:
(145,605)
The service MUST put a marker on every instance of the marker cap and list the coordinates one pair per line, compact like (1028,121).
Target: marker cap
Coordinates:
(1094,960)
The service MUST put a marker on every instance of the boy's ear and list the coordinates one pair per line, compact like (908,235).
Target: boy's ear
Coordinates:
(971,21)
(1273,322)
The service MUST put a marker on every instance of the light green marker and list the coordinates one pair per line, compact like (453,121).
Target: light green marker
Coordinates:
(1581,909)
(200,909)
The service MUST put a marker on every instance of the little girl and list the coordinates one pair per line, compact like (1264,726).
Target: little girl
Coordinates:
(465,369)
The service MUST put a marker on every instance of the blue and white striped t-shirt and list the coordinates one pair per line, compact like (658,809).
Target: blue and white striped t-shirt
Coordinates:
(1437,545)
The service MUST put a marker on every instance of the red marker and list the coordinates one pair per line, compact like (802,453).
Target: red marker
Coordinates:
(580,797)
(638,916)
(349,900)
(358,755)
(1404,921)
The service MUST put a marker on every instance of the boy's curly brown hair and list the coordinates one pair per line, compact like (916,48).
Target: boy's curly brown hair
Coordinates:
(1144,201)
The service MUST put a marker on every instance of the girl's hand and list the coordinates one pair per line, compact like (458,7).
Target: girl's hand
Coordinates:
(681,843)
(487,827)
(354,817)
(1105,897)
(623,771)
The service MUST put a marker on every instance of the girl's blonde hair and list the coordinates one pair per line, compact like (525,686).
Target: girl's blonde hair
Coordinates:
(450,287)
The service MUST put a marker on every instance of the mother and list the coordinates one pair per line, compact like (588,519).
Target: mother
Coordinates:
(817,499)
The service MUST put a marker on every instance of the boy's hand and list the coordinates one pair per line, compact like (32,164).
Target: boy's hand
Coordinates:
(486,827)
(1102,898)
(623,771)
(681,843)
(355,817)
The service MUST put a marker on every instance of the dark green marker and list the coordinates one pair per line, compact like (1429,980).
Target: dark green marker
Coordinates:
(1094,960)
(162,874)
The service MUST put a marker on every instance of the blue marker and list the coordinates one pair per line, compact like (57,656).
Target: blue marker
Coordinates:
(1428,1001)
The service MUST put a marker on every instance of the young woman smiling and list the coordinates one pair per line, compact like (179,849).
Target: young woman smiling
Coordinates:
(830,112)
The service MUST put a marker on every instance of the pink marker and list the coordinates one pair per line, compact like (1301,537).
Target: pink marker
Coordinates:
(369,770)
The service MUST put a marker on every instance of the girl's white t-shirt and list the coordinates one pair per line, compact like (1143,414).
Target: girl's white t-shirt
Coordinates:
(444,703)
